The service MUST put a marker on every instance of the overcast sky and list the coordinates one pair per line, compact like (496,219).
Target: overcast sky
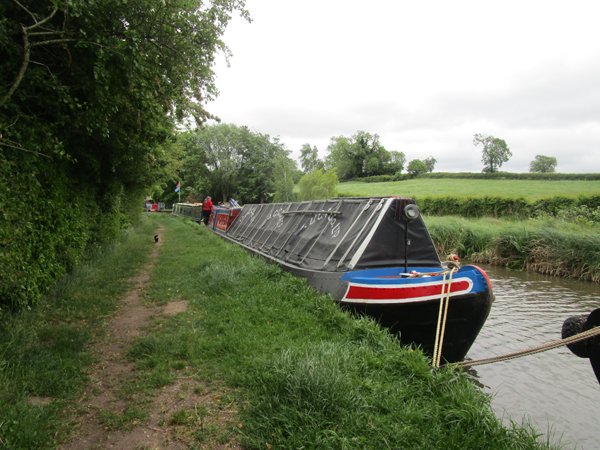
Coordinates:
(423,75)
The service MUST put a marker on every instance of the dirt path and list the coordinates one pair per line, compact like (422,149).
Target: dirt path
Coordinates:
(104,399)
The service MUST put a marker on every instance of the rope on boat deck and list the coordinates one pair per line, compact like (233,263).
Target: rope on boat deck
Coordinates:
(531,351)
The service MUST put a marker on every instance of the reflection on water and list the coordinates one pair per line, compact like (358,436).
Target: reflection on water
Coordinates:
(555,390)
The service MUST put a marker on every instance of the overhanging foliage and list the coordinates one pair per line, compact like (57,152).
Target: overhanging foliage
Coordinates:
(90,91)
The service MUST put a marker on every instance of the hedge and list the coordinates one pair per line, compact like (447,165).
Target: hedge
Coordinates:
(47,221)
(517,208)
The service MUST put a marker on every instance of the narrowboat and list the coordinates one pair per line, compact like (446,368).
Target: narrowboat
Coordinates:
(375,257)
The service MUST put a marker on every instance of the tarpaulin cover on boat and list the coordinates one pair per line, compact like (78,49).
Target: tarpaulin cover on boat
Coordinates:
(336,235)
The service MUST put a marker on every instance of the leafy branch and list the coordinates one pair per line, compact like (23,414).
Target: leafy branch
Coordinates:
(16,146)
(27,33)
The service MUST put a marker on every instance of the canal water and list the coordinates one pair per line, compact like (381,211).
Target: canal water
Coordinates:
(555,391)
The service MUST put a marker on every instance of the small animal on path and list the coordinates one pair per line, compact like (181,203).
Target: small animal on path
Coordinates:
(156,238)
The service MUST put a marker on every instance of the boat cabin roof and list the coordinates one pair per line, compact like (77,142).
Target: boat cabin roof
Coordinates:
(337,235)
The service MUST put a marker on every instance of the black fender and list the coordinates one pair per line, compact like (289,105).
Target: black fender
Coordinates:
(588,348)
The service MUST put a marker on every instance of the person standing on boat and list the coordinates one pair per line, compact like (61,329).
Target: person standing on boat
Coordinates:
(206,209)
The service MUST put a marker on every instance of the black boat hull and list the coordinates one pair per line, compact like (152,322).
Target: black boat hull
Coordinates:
(416,323)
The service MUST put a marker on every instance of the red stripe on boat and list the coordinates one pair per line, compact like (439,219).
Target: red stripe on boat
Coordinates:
(381,292)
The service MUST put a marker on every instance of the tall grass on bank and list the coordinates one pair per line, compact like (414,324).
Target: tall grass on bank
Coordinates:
(43,350)
(551,247)
(304,373)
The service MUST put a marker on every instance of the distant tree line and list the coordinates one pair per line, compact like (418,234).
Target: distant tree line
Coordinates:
(229,160)
(363,156)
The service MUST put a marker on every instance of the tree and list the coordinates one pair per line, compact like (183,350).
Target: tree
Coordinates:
(543,164)
(495,152)
(166,173)
(283,174)
(100,83)
(430,163)
(98,87)
(256,177)
(90,95)
(342,158)
(376,158)
(227,160)
(397,161)
(212,160)
(318,185)
(362,155)
(309,158)
(417,167)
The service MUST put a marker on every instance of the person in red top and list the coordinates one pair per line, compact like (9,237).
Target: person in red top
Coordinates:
(206,209)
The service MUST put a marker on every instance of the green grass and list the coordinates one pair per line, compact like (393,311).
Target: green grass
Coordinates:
(284,363)
(124,421)
(428,187)
(44,351)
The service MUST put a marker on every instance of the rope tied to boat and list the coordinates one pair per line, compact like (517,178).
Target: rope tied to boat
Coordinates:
(442,316)
(532,350)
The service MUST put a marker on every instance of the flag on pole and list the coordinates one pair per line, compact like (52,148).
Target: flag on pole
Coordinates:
(178,186)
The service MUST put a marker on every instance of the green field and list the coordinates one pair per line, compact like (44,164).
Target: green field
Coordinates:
(428,187)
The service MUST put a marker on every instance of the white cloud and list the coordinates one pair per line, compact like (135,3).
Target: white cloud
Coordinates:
(425,76)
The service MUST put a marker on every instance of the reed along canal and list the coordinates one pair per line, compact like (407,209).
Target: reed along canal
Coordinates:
(555,391)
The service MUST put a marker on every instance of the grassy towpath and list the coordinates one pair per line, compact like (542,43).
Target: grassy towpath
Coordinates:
(112,412)
(230,352)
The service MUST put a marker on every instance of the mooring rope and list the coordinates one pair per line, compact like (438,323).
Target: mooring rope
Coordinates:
(442,318)
(531,351)
(439,324)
